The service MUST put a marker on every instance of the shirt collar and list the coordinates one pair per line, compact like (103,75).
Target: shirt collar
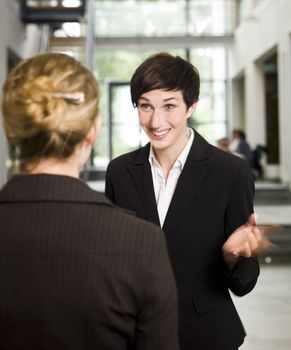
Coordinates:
(181,160)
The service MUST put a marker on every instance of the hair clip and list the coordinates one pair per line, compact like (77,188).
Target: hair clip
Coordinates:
(77,97)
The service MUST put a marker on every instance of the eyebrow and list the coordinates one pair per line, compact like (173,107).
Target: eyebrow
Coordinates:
(165,100)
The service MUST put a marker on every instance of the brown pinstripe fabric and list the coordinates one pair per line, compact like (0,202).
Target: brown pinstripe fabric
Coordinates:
(77,272)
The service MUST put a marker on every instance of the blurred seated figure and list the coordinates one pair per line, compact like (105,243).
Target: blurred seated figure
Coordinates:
(239,145)
(257,157)
(76,271)
(223,144)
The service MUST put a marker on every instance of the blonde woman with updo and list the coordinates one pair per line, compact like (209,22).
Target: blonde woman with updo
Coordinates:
(76,272)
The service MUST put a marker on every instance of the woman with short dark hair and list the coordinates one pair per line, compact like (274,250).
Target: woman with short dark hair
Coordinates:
(199,195)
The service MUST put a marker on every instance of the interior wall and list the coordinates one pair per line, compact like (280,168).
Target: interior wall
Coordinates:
(12,36)
(266,27)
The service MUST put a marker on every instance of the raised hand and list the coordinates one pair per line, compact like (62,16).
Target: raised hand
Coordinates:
(247,240)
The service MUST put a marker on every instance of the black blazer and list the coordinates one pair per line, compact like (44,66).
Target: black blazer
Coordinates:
(214,195)
(77,272)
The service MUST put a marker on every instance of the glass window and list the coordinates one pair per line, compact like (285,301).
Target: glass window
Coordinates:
(209,117)
(139,18)
(126,132)
(129,18)
(209,17)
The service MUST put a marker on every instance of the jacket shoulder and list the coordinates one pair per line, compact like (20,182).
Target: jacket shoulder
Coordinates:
(226,158)
(140,237)
(130,158)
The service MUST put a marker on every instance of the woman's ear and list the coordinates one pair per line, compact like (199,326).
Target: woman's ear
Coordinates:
(191,109)
(93,132)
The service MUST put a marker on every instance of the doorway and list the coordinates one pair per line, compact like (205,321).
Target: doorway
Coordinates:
(270,71)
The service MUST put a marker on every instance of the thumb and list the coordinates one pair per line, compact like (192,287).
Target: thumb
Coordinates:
(251,220)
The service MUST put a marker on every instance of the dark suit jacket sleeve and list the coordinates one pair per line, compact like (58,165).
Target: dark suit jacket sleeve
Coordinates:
(244,276)
(157,324)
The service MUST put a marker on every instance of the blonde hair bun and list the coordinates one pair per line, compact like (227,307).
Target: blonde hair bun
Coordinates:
(50,100)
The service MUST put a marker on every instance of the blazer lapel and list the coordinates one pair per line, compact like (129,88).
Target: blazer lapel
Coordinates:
(141,176)
(196,168)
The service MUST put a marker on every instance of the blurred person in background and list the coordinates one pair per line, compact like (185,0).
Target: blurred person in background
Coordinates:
(223,144)
(239,145)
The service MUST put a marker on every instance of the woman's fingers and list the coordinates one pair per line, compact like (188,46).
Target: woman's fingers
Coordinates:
(247,249)
(261,232)
(248,240)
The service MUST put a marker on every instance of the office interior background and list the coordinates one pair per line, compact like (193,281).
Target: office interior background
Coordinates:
(242,49)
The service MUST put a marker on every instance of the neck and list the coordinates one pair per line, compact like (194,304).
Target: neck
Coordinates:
(54,167)
(69,166)
(167,157)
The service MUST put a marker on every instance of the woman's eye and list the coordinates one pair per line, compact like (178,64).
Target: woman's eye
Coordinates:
(145,106)
(170,106)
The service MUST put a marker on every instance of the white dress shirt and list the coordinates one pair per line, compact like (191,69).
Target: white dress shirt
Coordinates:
(164,190)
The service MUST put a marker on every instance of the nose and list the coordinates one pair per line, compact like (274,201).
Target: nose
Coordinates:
(156,119)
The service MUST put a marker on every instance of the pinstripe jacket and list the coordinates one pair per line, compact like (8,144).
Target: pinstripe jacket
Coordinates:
(76,272)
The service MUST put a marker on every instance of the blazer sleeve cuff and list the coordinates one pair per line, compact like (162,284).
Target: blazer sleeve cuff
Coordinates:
(243,278)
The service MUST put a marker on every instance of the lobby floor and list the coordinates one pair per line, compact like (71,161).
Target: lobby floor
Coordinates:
(266,311)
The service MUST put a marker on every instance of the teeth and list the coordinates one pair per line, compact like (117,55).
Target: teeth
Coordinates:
(160,133)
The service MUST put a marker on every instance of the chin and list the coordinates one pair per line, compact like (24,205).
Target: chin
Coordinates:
(159,145)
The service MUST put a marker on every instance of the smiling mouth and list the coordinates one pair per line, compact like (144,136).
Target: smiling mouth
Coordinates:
(160,133)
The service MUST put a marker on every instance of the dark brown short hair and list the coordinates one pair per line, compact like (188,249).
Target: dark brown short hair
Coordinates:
(166,72)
